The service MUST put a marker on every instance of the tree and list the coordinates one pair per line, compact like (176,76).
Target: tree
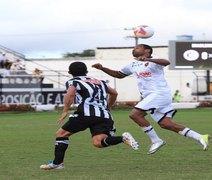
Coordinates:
(85,53)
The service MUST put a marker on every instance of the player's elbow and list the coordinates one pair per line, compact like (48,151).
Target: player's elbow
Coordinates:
(166,63)
(112,92)
(115,94)
(119,75)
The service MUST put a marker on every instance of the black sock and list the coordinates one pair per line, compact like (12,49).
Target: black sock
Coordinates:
(111,140)
(61,145)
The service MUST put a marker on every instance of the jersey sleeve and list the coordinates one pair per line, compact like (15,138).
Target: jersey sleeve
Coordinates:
(69,83)
(127,70)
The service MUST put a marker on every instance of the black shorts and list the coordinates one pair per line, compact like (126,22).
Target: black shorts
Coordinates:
(96,125)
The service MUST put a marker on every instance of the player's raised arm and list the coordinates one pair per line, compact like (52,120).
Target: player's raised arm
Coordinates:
(162,62)
(108,71)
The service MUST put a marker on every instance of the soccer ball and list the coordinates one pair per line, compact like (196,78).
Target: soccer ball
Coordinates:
(143,31)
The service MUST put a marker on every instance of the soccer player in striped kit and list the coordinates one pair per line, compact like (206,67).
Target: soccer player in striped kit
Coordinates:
(95,100)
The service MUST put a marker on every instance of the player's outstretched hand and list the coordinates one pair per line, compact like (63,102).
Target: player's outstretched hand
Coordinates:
(97,66)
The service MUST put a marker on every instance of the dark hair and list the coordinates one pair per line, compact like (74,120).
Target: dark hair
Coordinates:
(78,69)
(147,47)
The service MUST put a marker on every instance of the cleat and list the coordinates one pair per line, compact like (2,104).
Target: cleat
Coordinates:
(51,166)
(156,146)
(129,140)
(204,140)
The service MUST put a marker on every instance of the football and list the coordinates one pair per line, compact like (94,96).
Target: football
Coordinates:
(143,31)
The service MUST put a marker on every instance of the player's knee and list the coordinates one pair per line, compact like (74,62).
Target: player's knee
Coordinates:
(136,115)
(62,133)
(97,143)
(58,134)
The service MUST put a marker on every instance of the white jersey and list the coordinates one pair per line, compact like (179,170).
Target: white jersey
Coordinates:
(155,92)
(150,77)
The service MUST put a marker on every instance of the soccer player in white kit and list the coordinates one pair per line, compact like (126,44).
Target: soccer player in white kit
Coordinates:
(156,96)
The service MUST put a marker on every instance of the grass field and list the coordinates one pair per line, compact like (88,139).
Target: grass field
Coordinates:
(27,141)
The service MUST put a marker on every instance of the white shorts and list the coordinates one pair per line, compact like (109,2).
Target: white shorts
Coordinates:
(158,106)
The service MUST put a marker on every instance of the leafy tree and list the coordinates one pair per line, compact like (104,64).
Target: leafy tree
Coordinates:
(85,53)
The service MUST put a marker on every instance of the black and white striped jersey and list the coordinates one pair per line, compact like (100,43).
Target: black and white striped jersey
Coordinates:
(91,96)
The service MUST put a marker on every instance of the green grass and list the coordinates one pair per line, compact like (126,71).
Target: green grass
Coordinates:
(27,141)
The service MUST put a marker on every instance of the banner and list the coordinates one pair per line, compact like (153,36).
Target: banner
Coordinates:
(32,97)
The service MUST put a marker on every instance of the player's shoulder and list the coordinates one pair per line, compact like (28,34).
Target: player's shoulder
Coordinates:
(130,64)
(73,80)
(94,80)
(85,79)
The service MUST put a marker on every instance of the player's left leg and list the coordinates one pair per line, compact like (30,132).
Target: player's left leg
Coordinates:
(103,131)
(144,107)
(103,140)
(138,115)
(168,124)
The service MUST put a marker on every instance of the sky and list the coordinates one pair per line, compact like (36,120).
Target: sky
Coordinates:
(50,28)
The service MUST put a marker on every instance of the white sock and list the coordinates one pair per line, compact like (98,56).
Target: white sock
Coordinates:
(151,133)
(190,133)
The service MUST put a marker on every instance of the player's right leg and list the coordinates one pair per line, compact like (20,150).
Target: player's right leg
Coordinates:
(74,125)
(61,144)
(138,116)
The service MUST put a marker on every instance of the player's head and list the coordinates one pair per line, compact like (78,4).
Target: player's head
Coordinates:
(78,69)
(142,49)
